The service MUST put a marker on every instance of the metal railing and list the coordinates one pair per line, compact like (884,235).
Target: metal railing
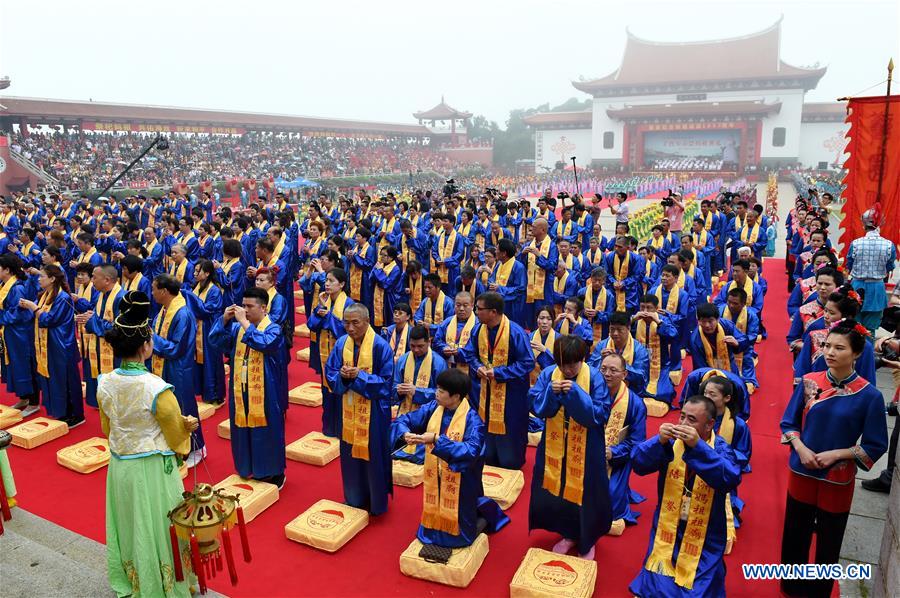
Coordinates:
(34,168)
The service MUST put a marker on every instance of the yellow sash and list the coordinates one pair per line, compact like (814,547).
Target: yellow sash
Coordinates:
(313,252)
(398,345)
(646,334)
(434,312)
(672,301)
(564,326)
(357,409)
(559,283)
(726,431)
(493,389)
(415,293)
(563,230)
(748,288)
(40,334)
(198,351)
(378,299)
(596,302)
(707,220)
(566,439)
(620,267)
(446,243)
(546,346)
(86,338)
(356,274)
(701,239)
(659,560)
(616,422)
(249,377)
(740,324)
(163,322)
(440,508)
(178,270)
(460,338)
(405,249)
(420,380)
(503,272)
(103,363)
(86,257)
(326,338)
(4,291)
(536,274)
(751,236)
(720,359)
(388,227)
(132,285)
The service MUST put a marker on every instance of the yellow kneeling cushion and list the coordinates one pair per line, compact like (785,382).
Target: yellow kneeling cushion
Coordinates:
(38,431)
(308,394)
(224,429)
(9,416)
(406,473)
(302,331)
(327,525)
(315,449)
(86,456)
(534,438)
(656,408)
(255,496)
(303,354)
(459,571)
(206,410)
(547,574)
(502,485)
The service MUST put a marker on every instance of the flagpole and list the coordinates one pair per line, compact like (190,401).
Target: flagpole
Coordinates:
(884,132)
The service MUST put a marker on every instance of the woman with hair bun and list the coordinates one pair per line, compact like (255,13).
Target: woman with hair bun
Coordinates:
(148,436)
(834,423)
(844,303)
(56,350)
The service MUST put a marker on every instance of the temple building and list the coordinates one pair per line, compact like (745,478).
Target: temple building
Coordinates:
(728,105)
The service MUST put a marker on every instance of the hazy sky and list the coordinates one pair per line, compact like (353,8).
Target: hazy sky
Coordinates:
(385,60)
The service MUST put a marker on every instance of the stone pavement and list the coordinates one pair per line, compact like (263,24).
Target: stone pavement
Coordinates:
(868,539)
(40,558)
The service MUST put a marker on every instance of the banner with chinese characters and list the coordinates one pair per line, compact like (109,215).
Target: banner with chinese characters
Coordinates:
(154,128)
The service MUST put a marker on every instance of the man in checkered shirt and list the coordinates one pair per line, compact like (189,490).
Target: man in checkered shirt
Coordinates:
(870,261)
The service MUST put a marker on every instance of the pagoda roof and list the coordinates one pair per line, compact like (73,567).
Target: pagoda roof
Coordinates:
(442,112)
(694,109)
(560,119)
(754,57)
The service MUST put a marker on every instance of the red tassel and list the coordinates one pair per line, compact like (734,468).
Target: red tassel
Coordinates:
(4,504)
(219,560)
(242,527)
(229,558)
(197,564)
(176,554)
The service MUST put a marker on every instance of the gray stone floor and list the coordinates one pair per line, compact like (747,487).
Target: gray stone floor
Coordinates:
(39,559)
(862,540)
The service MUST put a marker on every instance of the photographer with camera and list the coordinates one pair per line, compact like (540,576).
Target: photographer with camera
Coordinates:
(673,206)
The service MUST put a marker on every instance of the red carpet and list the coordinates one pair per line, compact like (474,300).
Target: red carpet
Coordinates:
(368,565)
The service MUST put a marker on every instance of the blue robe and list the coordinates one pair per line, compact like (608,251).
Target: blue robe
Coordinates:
(747,365)
(698,355)
(717,467)
(548,265)
(61,390)
(632,279)
(845,414)
(422,396)
(757,302)
(177,350)
(600,321)
(367,484)
(391,286)
(680,319)
(582,329)
(583,523)
(811,358)
(513,292)
(439,343)
(740,397)
(504,450)
(567,289)
(232,283)
(363,263)
(637,371)
(18,338)
(452,262)
(258,452)
(98,327)
(669,352)
(320,324)
(466,458)
(427,312)
(620,494)
(209,377)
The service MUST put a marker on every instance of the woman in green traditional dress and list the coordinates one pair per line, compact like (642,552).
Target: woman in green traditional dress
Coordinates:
(147,436)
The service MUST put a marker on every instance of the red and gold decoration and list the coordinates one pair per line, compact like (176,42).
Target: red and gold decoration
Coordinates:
(204,519)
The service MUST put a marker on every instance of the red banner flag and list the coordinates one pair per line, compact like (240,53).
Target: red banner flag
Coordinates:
(866,134)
